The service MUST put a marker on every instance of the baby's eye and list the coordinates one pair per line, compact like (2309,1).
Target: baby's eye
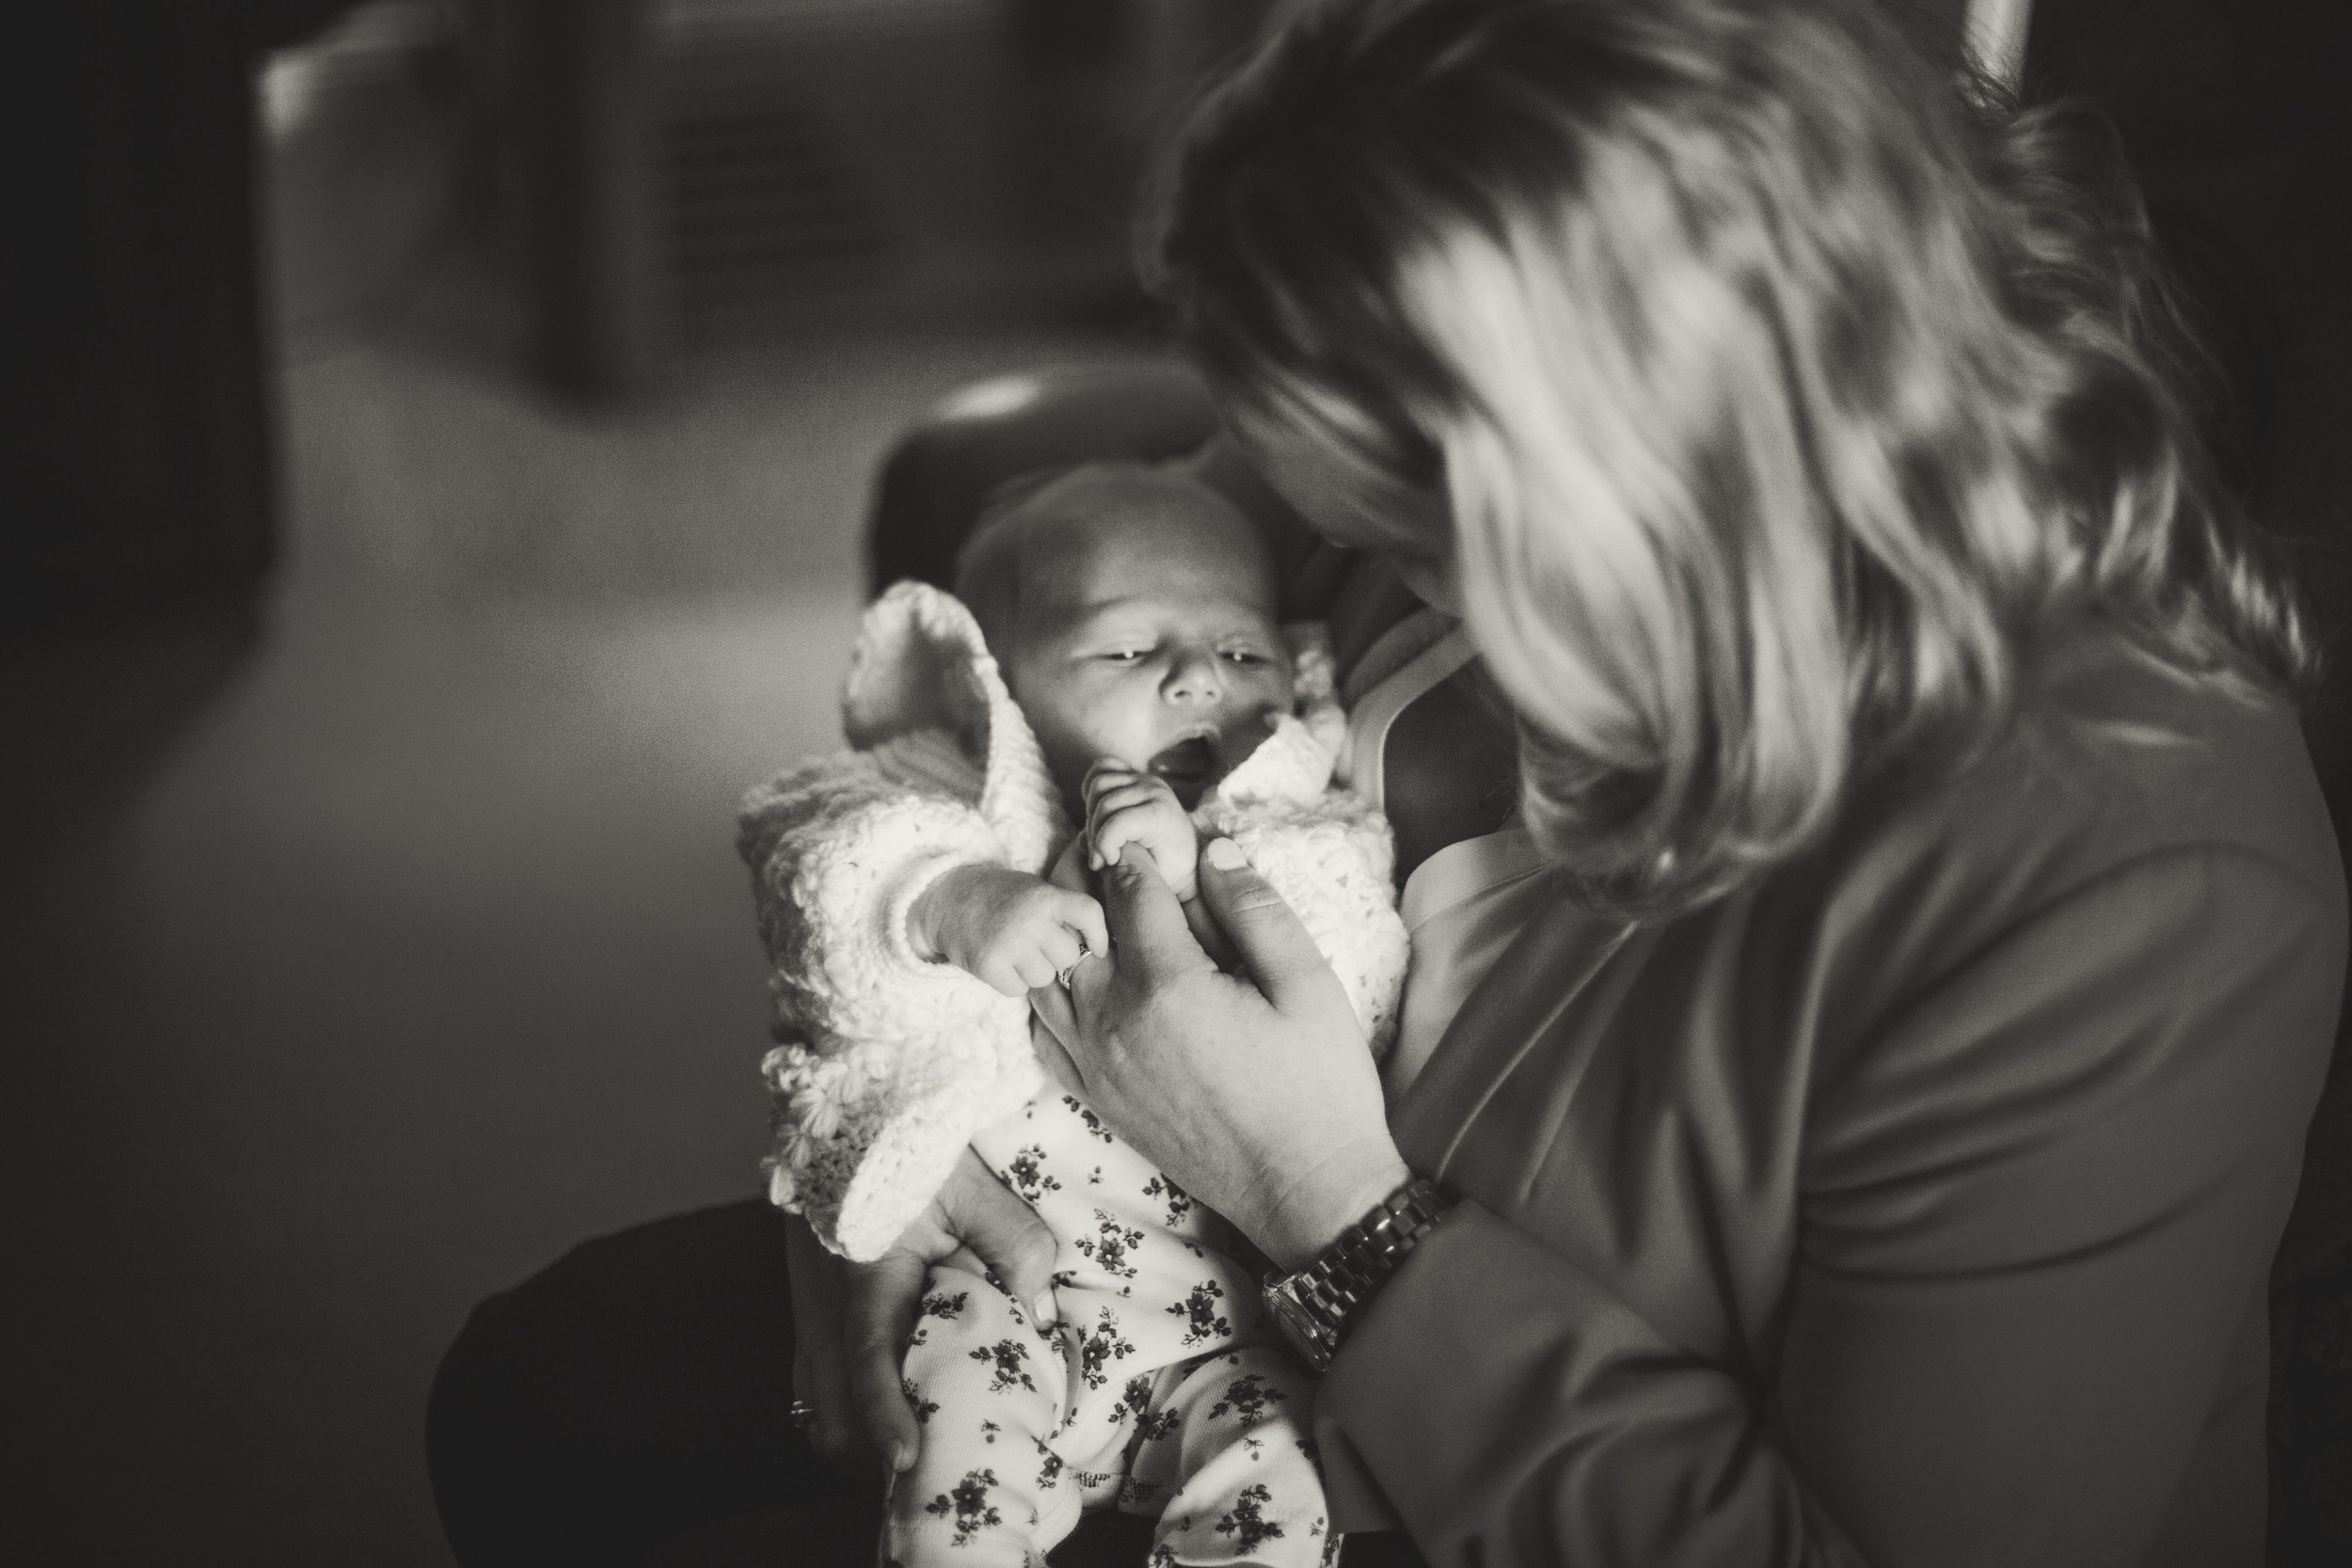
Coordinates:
(1125,656)
(1245,657)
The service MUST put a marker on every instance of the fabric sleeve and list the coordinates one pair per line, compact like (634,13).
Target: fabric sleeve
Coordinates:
(887,1063)
(838,855)
(2037,1210)
(1331,863)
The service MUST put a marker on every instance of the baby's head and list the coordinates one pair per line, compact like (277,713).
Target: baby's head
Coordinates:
(1132,609)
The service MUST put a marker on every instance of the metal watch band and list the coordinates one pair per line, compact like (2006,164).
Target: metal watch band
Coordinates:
(1328,1294)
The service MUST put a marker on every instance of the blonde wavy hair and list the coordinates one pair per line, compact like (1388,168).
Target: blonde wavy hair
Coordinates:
(1783,392)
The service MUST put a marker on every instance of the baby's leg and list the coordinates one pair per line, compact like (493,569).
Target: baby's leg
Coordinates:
(1227,1449)
(987,1390)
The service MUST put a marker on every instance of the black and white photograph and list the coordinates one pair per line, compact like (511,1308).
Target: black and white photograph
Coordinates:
(1180,784)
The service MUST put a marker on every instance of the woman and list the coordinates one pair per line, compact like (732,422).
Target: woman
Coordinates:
(1860,1096)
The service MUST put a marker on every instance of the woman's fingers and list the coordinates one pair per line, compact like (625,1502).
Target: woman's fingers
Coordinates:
(1052,1022)
(1005,1233)
(1149,937)
(879,1319)
(1069,872)
(820,1359)
(1274,946)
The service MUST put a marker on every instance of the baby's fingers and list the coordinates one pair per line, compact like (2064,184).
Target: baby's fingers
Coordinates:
(1124,816)
(1081,916)
(1108,773)
(1106,833)
(1036,967)
(1061,948)
(1005,976)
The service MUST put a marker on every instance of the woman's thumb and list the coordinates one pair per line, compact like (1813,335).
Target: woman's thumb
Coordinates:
(1274,946)
(1009,1240)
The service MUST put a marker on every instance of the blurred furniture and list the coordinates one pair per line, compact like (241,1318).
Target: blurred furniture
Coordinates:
(144,468)
(573,83)
(689,172)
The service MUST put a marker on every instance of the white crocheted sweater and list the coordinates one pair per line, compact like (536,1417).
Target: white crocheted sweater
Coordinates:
(887,1064)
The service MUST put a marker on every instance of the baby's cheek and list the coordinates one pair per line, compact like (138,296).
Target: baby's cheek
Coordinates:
(1123,727)
(1075,736)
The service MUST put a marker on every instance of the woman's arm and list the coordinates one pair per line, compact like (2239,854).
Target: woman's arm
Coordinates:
(2039,1212)
(2039,1209)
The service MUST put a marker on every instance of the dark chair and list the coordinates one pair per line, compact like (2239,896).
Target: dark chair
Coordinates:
(936,479)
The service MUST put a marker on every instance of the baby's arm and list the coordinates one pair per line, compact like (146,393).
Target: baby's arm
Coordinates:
(1007,927)
(887,1063)
(839,855)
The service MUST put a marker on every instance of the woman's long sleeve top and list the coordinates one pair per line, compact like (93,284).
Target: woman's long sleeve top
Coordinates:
(1911,1208)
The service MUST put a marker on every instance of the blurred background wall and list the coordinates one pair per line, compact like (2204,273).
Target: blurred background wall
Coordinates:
(445,502)
(452,422)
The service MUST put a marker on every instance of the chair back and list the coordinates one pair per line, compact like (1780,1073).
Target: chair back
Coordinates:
(941,472)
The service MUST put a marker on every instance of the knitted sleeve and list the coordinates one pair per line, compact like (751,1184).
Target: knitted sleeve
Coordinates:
(1332,859)
(887,1063)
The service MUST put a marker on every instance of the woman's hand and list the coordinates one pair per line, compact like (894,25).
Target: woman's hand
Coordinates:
(1253,1091)
(851,1321)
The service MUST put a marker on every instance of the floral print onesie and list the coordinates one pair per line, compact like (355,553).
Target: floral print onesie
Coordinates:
(1158,1394)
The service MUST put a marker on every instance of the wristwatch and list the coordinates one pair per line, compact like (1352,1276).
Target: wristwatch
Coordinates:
(1317,1305)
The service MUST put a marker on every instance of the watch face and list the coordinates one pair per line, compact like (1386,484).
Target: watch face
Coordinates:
(1299,1326)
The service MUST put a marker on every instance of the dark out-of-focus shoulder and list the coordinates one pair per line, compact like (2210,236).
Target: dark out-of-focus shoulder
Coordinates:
(2111,755)
(2111,761)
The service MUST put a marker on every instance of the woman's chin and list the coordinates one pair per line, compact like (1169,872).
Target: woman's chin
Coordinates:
(1432,584)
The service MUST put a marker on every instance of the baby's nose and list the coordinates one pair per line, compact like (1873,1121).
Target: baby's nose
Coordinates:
(1195,678)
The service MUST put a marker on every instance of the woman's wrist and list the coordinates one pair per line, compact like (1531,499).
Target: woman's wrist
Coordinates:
(1309,1214)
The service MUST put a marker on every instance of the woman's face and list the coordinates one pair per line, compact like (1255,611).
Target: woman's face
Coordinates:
(1344,502)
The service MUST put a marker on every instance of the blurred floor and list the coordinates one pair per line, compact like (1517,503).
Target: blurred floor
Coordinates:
(372,952)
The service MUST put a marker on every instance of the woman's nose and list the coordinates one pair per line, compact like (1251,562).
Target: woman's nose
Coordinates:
(1193,678)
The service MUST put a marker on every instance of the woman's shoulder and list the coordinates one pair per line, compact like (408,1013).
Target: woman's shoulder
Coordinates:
(2113,757)
(2118,783)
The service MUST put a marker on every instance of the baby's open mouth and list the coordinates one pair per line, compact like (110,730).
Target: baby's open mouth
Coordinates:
(1187,766)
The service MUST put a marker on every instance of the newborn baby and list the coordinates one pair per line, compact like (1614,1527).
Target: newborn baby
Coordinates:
(1115,660)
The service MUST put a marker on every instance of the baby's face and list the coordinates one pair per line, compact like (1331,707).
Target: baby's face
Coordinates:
(1151,639)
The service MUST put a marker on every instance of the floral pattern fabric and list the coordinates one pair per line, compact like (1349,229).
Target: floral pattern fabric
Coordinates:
(1158,1392)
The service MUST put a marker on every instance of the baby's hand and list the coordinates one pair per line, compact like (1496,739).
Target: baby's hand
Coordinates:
(1007,927)
(1124,807)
